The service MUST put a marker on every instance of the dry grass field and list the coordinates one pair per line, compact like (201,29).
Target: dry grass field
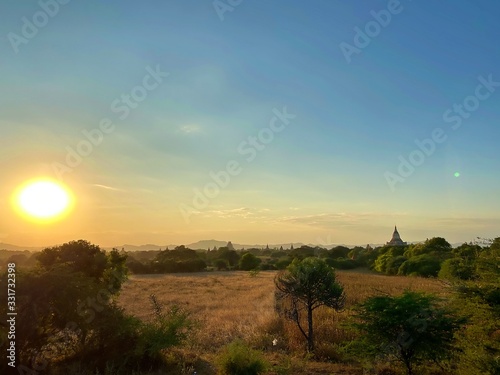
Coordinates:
(229,305)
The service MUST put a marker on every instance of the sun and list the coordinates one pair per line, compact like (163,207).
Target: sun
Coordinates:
(43,200)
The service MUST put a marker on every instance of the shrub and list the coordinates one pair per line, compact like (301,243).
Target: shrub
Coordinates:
(456,269)
(411,328)
(394,264)
(239,359)
(421,265)
(249,262)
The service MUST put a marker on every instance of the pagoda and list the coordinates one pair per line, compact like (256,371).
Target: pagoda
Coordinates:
(396,239)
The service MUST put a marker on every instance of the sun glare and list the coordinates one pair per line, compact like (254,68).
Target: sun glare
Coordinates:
(43,199)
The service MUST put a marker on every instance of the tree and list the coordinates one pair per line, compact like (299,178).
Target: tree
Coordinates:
(412,328)
(220,264)
(69,317)
(304,286)
(231,256)
(249,262)
(338,252)
(488,263)
(421,265)
(456,269)
(59,300)
(83,257)
(436,246)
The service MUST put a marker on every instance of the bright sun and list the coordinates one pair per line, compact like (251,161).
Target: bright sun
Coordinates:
(43,199)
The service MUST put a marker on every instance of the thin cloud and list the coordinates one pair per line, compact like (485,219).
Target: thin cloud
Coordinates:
(107,187)
(190,129)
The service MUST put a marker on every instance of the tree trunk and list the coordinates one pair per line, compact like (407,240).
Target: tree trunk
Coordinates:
(310,338)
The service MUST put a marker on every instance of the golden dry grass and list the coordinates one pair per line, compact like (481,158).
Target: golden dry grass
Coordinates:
(231,305)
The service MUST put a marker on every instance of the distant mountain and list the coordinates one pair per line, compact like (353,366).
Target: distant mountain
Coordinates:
(9,247)
(128,247)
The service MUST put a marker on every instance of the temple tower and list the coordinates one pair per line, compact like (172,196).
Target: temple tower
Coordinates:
(396,239)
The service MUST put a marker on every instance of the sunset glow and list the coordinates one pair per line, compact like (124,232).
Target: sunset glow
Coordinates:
(43,200)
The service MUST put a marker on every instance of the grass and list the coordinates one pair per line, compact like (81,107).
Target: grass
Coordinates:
(234,305)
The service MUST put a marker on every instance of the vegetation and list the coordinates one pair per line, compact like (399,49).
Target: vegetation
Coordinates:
(413,328)
(238,358)
(69,316)
(305,286)
(79,312)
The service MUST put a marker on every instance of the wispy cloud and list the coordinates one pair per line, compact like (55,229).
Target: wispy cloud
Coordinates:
(190,129)
(330,220)
(107,187)
(241,212)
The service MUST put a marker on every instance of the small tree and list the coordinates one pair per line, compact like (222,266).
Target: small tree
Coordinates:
(307,285)
(410,328)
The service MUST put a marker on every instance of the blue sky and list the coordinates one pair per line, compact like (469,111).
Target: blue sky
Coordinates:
(321,179)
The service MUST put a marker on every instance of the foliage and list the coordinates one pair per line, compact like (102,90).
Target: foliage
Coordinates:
(167,330)
(388,253)
(221,264)
(436,246)
(231,256)
(249,262)
(421,265)
(488,262)
(342,263)
(307,285)
(412,328)
(239,359)
(66,306)
(180,259)
(83,257)
(302,252)
(394,264)
(338,252)
(457,269)
(480,340)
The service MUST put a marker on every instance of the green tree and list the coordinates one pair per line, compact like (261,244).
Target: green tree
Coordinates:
(305,286)
(386,257)
(421,265)
(59,299)
(221,264)
(249,262)
(457,269)
(436,246)
(231,256)
(488,263)
(68,314)
(412,328)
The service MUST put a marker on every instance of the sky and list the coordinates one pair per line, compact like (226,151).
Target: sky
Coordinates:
(260,121)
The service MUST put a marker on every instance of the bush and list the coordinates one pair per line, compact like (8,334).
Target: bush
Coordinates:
(411,328)
(342,263)
(394,263)
(456,269)
(283,263)
(420,265)
(239,359)
(249,262)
